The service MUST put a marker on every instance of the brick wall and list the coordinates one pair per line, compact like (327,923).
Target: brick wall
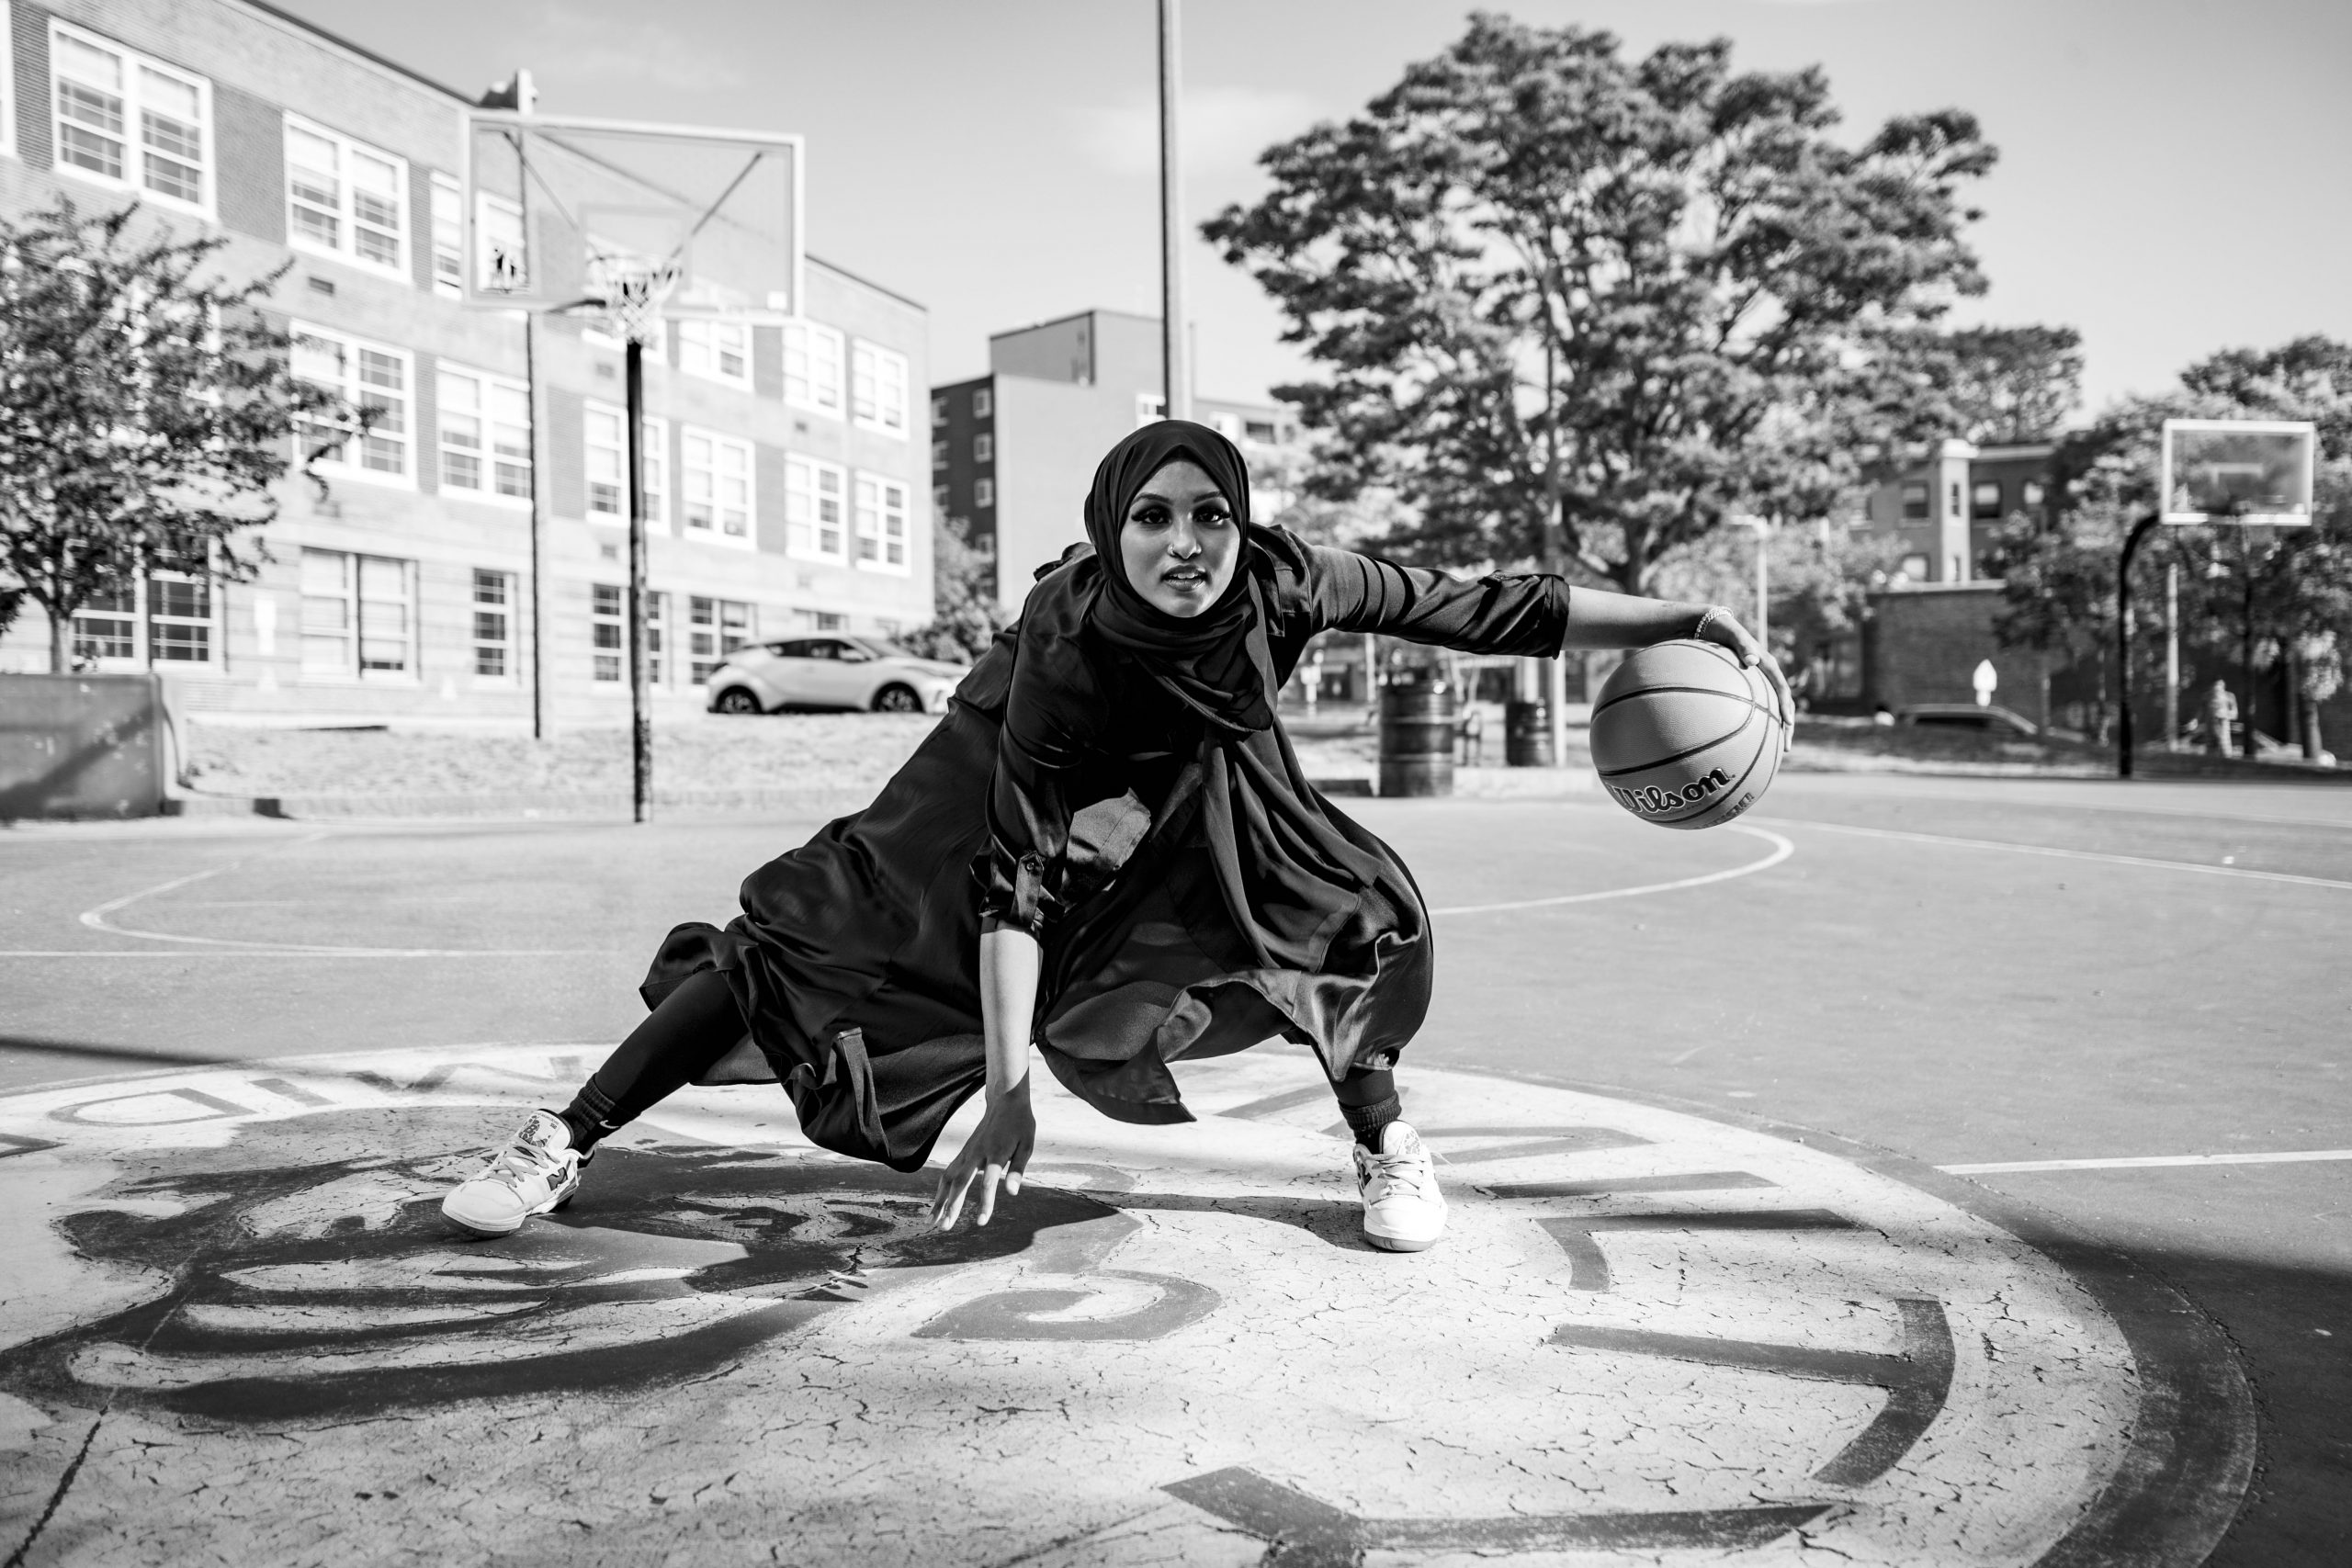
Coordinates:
(1923,646)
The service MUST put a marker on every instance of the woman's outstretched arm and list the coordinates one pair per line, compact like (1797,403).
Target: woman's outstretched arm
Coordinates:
(1600,619)
(997,1150)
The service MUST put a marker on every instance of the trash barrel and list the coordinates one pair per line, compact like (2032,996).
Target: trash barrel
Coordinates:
(1417,721)
(1527,735)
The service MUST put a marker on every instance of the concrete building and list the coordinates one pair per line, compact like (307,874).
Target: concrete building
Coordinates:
(1014,451)
(784,472)
(1946,509)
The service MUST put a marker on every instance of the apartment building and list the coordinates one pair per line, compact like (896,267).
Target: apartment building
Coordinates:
(1014,452)
(1947,508)
(470,560)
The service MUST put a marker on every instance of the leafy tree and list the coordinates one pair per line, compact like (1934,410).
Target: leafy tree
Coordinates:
(963,612)
(148,410)
(1671,276)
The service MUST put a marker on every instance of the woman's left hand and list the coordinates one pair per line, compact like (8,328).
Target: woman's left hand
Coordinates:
(1720,625)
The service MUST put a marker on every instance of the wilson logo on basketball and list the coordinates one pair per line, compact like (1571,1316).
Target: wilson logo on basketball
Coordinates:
(1653,801)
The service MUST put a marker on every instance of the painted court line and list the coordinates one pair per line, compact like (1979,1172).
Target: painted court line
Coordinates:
(2143,1162)
(1781,850)
(2071,854)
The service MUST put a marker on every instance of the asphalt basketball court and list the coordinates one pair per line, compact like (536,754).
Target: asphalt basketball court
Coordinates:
(1887,1178)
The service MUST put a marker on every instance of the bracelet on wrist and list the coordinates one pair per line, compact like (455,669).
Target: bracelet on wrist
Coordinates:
(1709,613)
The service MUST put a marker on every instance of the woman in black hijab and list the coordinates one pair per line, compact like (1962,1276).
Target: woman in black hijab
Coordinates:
(1107,850)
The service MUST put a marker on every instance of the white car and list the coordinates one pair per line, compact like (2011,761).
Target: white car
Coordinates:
(834,670)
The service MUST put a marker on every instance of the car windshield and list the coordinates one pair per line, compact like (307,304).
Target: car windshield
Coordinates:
(884,647)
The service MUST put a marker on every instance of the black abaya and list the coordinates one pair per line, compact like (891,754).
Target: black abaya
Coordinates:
(1094,821)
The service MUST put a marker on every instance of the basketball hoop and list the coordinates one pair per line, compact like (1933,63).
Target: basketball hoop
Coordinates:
(634,293)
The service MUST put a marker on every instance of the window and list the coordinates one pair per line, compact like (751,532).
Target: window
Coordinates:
(1258,430)
(718,350)
(1149,406)
(608,631)
(939,411)
(448,237)
(820,621)
(984,448)
(504,258)
(345,198)
(493,625)
(608,464)
(1915,501)
(106,626)
(179,620)
(881,523)
(815,506)
(357,614)
(128,122)
(983,493)
(939,498)
(485,435)
(812,367)
(878,389)
(983,402)
(1984,499)
(718,496)
(715,628)
(939,454)
(368,376)
(1951,501)
(2031,495)
(656,621)
(1913,567)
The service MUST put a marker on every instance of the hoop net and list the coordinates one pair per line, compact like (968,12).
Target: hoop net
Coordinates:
(633,293)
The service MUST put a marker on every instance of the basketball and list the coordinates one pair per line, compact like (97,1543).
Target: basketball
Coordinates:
(1684,736)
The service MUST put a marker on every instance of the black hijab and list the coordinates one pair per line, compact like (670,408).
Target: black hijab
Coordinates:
(1217,663)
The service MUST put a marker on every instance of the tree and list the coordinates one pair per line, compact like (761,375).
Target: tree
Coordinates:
(1819,577)
(964,612)
(148,410)
(1583,307)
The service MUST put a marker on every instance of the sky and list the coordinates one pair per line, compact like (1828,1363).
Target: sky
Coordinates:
(2173,176)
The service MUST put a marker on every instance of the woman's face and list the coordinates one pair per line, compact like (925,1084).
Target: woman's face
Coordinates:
(1180,540)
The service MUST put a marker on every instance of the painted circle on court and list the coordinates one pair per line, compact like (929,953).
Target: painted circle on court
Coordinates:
(1647,1336)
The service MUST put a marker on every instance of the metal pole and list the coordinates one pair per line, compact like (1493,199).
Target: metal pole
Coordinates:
(640,693)
(2246,723)
(1763,591)
(539,646)
(2123,644)
(2172,655)
(1555,669)
(1176,369)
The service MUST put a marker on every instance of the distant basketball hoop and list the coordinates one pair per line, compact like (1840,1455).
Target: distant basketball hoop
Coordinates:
(2241,471)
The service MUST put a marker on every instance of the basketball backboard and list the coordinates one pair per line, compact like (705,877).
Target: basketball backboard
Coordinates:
(2228,471)
(557,207)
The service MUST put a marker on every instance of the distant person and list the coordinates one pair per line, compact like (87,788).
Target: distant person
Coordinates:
(2221,720)
(1107,848)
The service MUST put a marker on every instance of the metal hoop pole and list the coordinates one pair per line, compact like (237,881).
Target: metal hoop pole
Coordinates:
(2123,644)
(640,684)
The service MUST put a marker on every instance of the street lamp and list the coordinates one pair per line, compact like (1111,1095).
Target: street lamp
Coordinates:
(1763,526)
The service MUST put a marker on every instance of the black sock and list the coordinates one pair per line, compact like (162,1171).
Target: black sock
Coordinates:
(684,1038)
(1369,1102)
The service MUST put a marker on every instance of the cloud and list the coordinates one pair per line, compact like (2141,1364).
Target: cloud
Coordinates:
(1223,129)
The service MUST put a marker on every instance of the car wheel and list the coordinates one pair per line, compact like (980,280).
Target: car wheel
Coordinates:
(737,699)
(896,699)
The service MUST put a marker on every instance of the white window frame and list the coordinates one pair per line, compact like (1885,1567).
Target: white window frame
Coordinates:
(131,136)
(357,392)
(494,459)
(657,626)
(446,226)
(983,402)
(984,447)
(879,500)
(807,387)
(602,428)
(129,616)
(983,493)
(939,409)
(939,454)
(701,347)
(713,475)
(713,633)
(877,382)
(354,634)
(804,495)
(154,618)
(505,644)
(345,211)
(602,618)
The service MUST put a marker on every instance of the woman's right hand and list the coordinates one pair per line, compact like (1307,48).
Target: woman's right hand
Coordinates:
(998,1151)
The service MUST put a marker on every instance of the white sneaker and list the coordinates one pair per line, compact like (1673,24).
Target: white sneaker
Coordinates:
(1403,1210)
(538,1171)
